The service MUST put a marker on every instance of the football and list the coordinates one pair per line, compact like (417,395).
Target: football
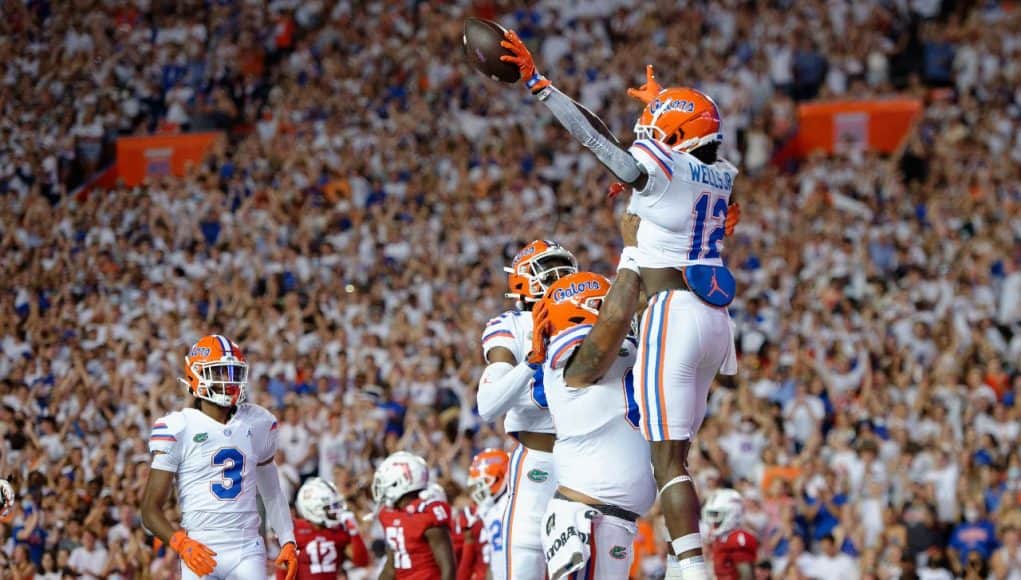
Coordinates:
(482,48)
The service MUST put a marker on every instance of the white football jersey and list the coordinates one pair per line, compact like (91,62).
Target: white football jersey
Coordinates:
(513,330)
(600,451)
(493,535)
(215,465)
(683,207)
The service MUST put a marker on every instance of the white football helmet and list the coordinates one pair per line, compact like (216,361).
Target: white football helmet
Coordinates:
(320,503)
(399,475)
(723,512)
(434,492)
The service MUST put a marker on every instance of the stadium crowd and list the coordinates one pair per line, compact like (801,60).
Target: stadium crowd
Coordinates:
(350,237)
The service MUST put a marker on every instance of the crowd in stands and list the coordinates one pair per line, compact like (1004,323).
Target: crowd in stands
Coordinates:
(350,236)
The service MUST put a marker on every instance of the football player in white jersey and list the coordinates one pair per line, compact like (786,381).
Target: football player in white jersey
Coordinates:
(487,486)
(511,385)
(681,191)
(221,451)
(603,465)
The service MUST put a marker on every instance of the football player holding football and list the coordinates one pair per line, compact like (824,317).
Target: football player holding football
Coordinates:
(512,386)
(221,452)
(681,192)
(326,532)
(734,549)
(417,529)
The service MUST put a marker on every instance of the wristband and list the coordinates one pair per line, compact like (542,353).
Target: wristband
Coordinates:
(628,259)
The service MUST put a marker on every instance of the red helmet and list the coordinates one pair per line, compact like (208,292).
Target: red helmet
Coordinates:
(681,118)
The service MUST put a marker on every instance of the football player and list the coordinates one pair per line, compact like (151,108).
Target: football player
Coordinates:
(512,385)
(603,467)
(487,485)
(733,548)
(326,532)
(681,190)
(417,529)
(221,451)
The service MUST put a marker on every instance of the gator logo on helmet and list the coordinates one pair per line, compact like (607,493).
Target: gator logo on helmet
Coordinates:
(561,294)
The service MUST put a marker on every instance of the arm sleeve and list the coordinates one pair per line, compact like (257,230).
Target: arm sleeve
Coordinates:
(359,553)
(616,159)
(277,514)
(503,386)
(165,443)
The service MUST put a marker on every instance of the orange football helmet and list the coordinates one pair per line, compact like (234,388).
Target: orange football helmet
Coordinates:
(216,370)
(535,267)
(681,118)
(572,300)
(487,476)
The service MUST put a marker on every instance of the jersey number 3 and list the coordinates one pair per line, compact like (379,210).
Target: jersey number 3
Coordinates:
(708,249)
(232,465)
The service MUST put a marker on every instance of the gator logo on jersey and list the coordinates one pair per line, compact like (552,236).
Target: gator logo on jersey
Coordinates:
(538,475)
(200,438)
(199,351)
(618,552)
(551,523)
(561,294)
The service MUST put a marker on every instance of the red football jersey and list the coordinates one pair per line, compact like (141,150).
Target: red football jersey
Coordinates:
(471,563)
(320,551)
(405,537)
(737,547)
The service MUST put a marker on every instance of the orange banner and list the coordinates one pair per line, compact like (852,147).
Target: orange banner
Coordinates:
(138,157)
(880,125)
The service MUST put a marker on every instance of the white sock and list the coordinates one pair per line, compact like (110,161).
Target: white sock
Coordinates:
(693,568)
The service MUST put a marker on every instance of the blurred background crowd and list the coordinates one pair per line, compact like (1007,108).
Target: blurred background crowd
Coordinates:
(350,235)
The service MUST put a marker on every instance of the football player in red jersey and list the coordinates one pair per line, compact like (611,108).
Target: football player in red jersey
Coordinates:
(417,530)
(326,533)
(734,548)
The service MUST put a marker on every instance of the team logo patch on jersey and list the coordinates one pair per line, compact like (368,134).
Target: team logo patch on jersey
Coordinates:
(538,475)
(201,437)
(618,552)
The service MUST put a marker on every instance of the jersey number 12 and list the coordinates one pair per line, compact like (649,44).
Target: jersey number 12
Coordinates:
(710,249)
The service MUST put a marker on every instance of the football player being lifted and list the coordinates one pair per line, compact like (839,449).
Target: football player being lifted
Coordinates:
(417,527)
(512,386)
(681,192)
(221,452)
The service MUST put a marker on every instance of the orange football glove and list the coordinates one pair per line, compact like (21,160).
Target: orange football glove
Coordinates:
(195,554)
(616,189)
(540,332)
(733,218)
(522,57)
(647,92)
(288,559)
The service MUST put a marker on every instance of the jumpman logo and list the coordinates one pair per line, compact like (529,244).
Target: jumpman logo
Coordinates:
(716,287)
